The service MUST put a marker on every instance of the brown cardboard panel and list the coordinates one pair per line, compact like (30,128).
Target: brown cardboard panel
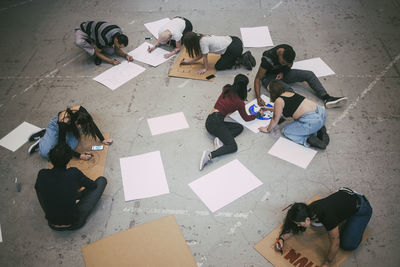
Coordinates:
(308,249)
(156,243)
(191,71)
(94,167)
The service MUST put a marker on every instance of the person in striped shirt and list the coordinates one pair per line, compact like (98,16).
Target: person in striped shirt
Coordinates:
(98,38)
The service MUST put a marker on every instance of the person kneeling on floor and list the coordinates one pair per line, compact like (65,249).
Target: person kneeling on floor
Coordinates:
(57,190)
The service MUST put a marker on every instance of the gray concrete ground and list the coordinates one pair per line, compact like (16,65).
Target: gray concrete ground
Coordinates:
(42,72)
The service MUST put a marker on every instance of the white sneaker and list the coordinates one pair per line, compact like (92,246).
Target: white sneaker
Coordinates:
(217,143)
(33,148)
(205,158)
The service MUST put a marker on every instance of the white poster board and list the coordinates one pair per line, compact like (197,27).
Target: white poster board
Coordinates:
(155,58)
(316,65)
(256,37)
(19,136)
(154,26)
(167,123)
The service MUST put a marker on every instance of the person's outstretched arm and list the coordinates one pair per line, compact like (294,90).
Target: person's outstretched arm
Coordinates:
(334,247)
(257,85)
(278,109)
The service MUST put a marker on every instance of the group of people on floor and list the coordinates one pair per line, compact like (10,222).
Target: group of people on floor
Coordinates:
(67,207)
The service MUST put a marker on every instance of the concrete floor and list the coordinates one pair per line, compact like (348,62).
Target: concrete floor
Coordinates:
(42,72)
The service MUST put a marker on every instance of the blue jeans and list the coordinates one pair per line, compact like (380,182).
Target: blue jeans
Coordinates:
(352,232)
(50,138)
(305,126)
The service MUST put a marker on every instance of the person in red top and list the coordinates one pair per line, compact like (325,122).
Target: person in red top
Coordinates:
(231,99)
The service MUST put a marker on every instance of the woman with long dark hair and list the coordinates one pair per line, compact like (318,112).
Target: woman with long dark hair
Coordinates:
(231,99)
(308,128)
(344,214)
(67,127)
(229,47)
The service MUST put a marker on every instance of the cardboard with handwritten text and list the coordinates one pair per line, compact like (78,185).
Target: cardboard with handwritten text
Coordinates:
(308,249)
(94,167)
(191,71)
(156,243)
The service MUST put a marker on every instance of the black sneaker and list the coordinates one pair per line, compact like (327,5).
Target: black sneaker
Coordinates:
(251,58)
(97,61)
(37,136)
(33,148)
(316,142)
(334,102)
(323,135)
(245,61)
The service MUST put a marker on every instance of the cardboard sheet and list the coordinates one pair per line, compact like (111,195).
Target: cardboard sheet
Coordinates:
(256,37)
(154,58)
(167,123)
(294,153)
(154,26)
(191,71)
(153,244)
(307,249)
(255,124)
(94,167)
(118,75)
(143,176)
(19,136)
(316,65)
(224,185)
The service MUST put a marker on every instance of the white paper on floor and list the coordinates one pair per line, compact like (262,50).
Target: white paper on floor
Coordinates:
(19,136)
(256,37)
(154,26)
(316,65)
(155,58)
(224,185)
(119,74)
(143,176)
(167,123)
(254,124)
(294,153)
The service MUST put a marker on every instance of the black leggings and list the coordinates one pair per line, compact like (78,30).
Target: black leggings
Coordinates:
(233,52)
(188,28)
(225,131)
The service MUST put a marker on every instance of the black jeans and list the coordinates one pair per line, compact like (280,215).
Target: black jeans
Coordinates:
(233,52)
(188,28)
(225,131)
(86,204)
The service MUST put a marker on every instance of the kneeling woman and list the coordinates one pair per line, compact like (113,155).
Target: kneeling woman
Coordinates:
(344,206)
(231,99)
(229,47)
(309,118)
(67,127)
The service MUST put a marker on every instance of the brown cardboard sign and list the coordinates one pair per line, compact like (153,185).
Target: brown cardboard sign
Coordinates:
(94,167)
(307,250)
(191,71)
(156,243)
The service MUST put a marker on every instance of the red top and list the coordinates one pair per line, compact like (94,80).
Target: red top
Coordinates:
(231,103)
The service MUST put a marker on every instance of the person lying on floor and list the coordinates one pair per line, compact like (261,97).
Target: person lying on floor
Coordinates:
(308,128)
(57,191)
(344,206)
(67,127)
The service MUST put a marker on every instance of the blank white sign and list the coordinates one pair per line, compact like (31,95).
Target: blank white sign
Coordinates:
(118,75)
(224,185)
(167,123)
(17,137)
(143,176)
(316,65)
(155,58)
(256,37)
(154,26)
(292,152)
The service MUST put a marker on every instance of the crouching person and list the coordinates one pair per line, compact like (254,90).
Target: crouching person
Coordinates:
(57,190)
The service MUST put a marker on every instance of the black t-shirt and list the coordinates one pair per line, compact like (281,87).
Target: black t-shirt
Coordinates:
(270,60)
(57,192)
(334,209)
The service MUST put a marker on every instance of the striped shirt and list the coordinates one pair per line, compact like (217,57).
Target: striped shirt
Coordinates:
(100,32)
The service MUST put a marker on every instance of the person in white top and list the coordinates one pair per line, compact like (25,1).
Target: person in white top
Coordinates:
(229,47)
(172,32)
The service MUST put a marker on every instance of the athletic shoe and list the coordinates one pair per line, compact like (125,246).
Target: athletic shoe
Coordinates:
(316,142)
(205,158)
(245,61)
(323,135)
(97,61)
(333,102)
(251,58)
(37,136)
(33,148)
(217,143)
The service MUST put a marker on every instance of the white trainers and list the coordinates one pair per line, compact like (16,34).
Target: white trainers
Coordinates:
(205,158)
(217,143)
